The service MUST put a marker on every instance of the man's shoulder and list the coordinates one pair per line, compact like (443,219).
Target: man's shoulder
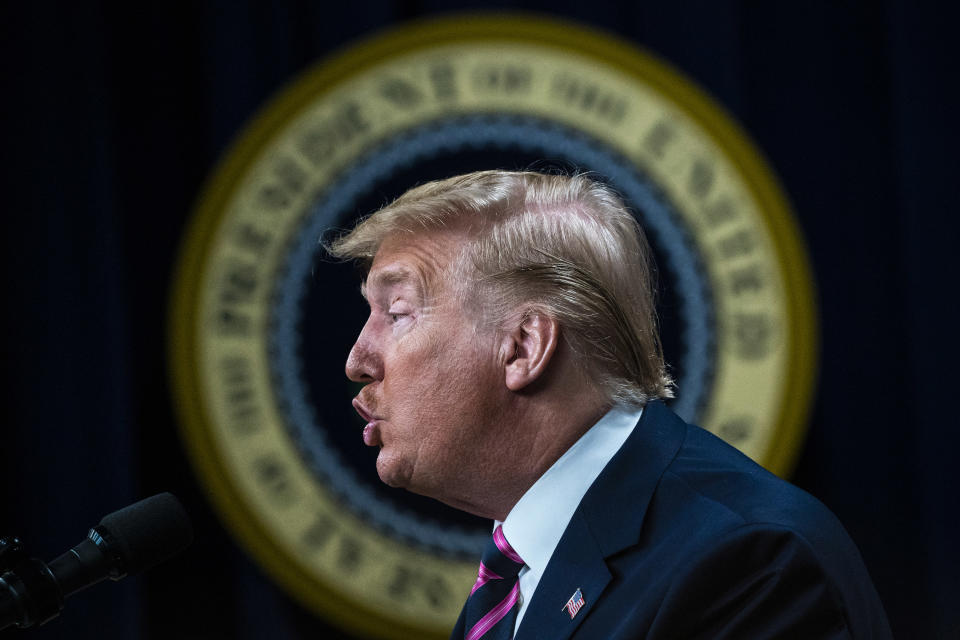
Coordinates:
(679,476)
(737,491)
(695,535)
(729,512)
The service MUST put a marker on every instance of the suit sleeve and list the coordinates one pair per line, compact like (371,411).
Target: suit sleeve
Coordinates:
(758,581)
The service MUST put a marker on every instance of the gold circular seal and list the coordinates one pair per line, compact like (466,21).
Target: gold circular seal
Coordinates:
(252,292)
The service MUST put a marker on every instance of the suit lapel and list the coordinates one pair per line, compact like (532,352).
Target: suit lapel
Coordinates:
(577,563)
(608,520)
(615,505)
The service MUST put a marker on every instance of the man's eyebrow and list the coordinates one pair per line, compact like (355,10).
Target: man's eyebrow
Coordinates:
(388,277)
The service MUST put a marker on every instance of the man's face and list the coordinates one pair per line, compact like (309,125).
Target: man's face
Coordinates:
(432,385)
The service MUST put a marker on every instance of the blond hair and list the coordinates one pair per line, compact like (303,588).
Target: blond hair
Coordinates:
(563,245)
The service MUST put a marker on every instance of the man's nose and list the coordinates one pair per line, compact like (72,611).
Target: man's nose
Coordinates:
(364,363)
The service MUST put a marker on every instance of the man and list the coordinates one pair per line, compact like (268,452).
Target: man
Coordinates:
(513,370)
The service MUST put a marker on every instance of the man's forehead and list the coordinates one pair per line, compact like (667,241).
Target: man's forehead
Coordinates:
(419,260)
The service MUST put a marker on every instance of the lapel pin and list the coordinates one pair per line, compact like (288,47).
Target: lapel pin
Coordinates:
(574,603)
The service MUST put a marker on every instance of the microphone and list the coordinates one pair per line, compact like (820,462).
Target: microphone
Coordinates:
(125,542)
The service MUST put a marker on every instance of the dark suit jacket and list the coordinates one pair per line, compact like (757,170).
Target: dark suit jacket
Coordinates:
(682,536)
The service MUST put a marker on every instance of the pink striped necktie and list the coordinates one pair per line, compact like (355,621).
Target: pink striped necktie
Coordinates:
(494,601)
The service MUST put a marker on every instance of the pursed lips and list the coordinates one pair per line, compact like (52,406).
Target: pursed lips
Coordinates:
(371,433)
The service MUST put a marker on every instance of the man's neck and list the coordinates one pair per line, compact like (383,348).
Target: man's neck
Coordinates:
(544,430)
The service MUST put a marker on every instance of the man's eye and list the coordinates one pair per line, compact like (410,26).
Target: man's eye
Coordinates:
(395,316)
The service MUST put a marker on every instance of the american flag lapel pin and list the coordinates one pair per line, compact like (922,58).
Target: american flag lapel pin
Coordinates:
(574,603)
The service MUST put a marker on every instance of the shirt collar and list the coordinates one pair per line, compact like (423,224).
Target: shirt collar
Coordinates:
(536,523)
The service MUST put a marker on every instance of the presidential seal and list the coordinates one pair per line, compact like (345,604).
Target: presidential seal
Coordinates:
(262,320)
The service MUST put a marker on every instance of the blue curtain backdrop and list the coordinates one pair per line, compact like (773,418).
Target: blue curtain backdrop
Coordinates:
(113,116)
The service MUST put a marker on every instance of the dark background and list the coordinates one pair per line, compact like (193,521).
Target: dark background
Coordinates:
(114,115)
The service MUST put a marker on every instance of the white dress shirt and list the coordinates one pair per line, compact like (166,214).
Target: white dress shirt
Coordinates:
(535,524)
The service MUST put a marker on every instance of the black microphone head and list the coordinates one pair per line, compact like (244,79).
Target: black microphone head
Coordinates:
(148,532)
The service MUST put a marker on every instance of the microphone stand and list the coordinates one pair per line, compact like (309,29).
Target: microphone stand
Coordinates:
(29,593)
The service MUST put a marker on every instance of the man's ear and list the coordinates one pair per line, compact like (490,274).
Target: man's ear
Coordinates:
(526,350)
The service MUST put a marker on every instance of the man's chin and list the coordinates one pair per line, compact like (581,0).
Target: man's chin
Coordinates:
(390,481)
(391,473)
